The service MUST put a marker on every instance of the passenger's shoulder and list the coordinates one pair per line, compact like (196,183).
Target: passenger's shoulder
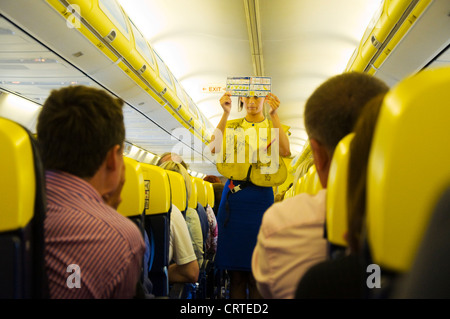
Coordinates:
(296,210)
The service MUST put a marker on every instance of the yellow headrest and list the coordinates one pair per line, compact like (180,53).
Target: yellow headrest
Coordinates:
(311,181)
(202,193)
(210,191)
(408,166)
(314,184)
(300,186)
(17,176)
(289,192)
(337,193)
(178,188)
(193,198)
(157,188)
(133,191)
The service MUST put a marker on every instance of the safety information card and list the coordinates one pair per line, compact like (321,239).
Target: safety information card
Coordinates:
(249,85)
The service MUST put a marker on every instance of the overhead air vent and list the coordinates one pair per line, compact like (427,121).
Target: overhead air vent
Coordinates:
(111,36)
(142,70)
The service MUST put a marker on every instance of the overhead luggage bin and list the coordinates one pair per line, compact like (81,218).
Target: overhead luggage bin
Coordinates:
(107,27)
(386,29)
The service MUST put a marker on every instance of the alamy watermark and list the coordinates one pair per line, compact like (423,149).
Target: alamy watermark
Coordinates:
(74,279)
(374,279)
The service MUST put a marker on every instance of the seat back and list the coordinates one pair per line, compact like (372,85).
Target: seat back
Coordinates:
(300,186)
(192,203)
(336,216)
(210,193)
(157,224)
(408,166)
(429,275)
(202,193)
(23,202)
(313,182)
(178,190)
(133,193)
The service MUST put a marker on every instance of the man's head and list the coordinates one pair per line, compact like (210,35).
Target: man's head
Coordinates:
(78,127)
(331,113)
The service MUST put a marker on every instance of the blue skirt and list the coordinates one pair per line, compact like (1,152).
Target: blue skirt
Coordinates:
(238,226)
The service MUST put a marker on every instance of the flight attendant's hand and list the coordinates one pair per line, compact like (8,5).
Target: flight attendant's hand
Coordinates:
(225,102)
(273,102)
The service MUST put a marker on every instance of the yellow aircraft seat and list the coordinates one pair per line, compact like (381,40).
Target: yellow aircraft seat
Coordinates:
(210,191)
(133,193)
(300,186)
(157,224)
(336,216)
(289,193)
(23,205)
(192,203)
(202,193)
(178,189)
(312,185)
(316,186)
(408,166)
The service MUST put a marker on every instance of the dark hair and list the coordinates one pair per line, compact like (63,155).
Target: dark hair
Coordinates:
(212,179)
(333,108)
(218,190)
(357,173)
(76,128)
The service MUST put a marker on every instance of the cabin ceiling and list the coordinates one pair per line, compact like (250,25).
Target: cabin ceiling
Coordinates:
(298,43)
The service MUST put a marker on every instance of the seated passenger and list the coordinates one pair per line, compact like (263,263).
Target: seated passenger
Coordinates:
(114,199)
(218,190)
(192,219)
(81,134)
(174,157)
(183,265)
(211,240)
(345,277)
(291,237)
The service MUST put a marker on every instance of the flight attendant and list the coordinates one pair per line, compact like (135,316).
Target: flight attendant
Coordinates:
(248,191)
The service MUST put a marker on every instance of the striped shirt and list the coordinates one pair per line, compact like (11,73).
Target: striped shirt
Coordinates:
(91,250)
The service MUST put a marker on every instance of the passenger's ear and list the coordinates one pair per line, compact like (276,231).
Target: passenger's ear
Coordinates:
(112,157)
(322,160)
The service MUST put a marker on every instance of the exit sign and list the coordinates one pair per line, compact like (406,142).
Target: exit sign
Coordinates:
(214,88)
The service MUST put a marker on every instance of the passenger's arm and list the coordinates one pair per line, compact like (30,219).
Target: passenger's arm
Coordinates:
(274,103)
(184,273)
(185,268)
(216,139)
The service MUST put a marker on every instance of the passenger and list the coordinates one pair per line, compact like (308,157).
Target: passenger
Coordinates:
(345,277)
(114,199)
(183,265)
(212,179)
(182,257)
(81,134)
(241,210)
(169,156)
(204,223)
(192,219)
(218,189)
(291,238)
(211,241)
